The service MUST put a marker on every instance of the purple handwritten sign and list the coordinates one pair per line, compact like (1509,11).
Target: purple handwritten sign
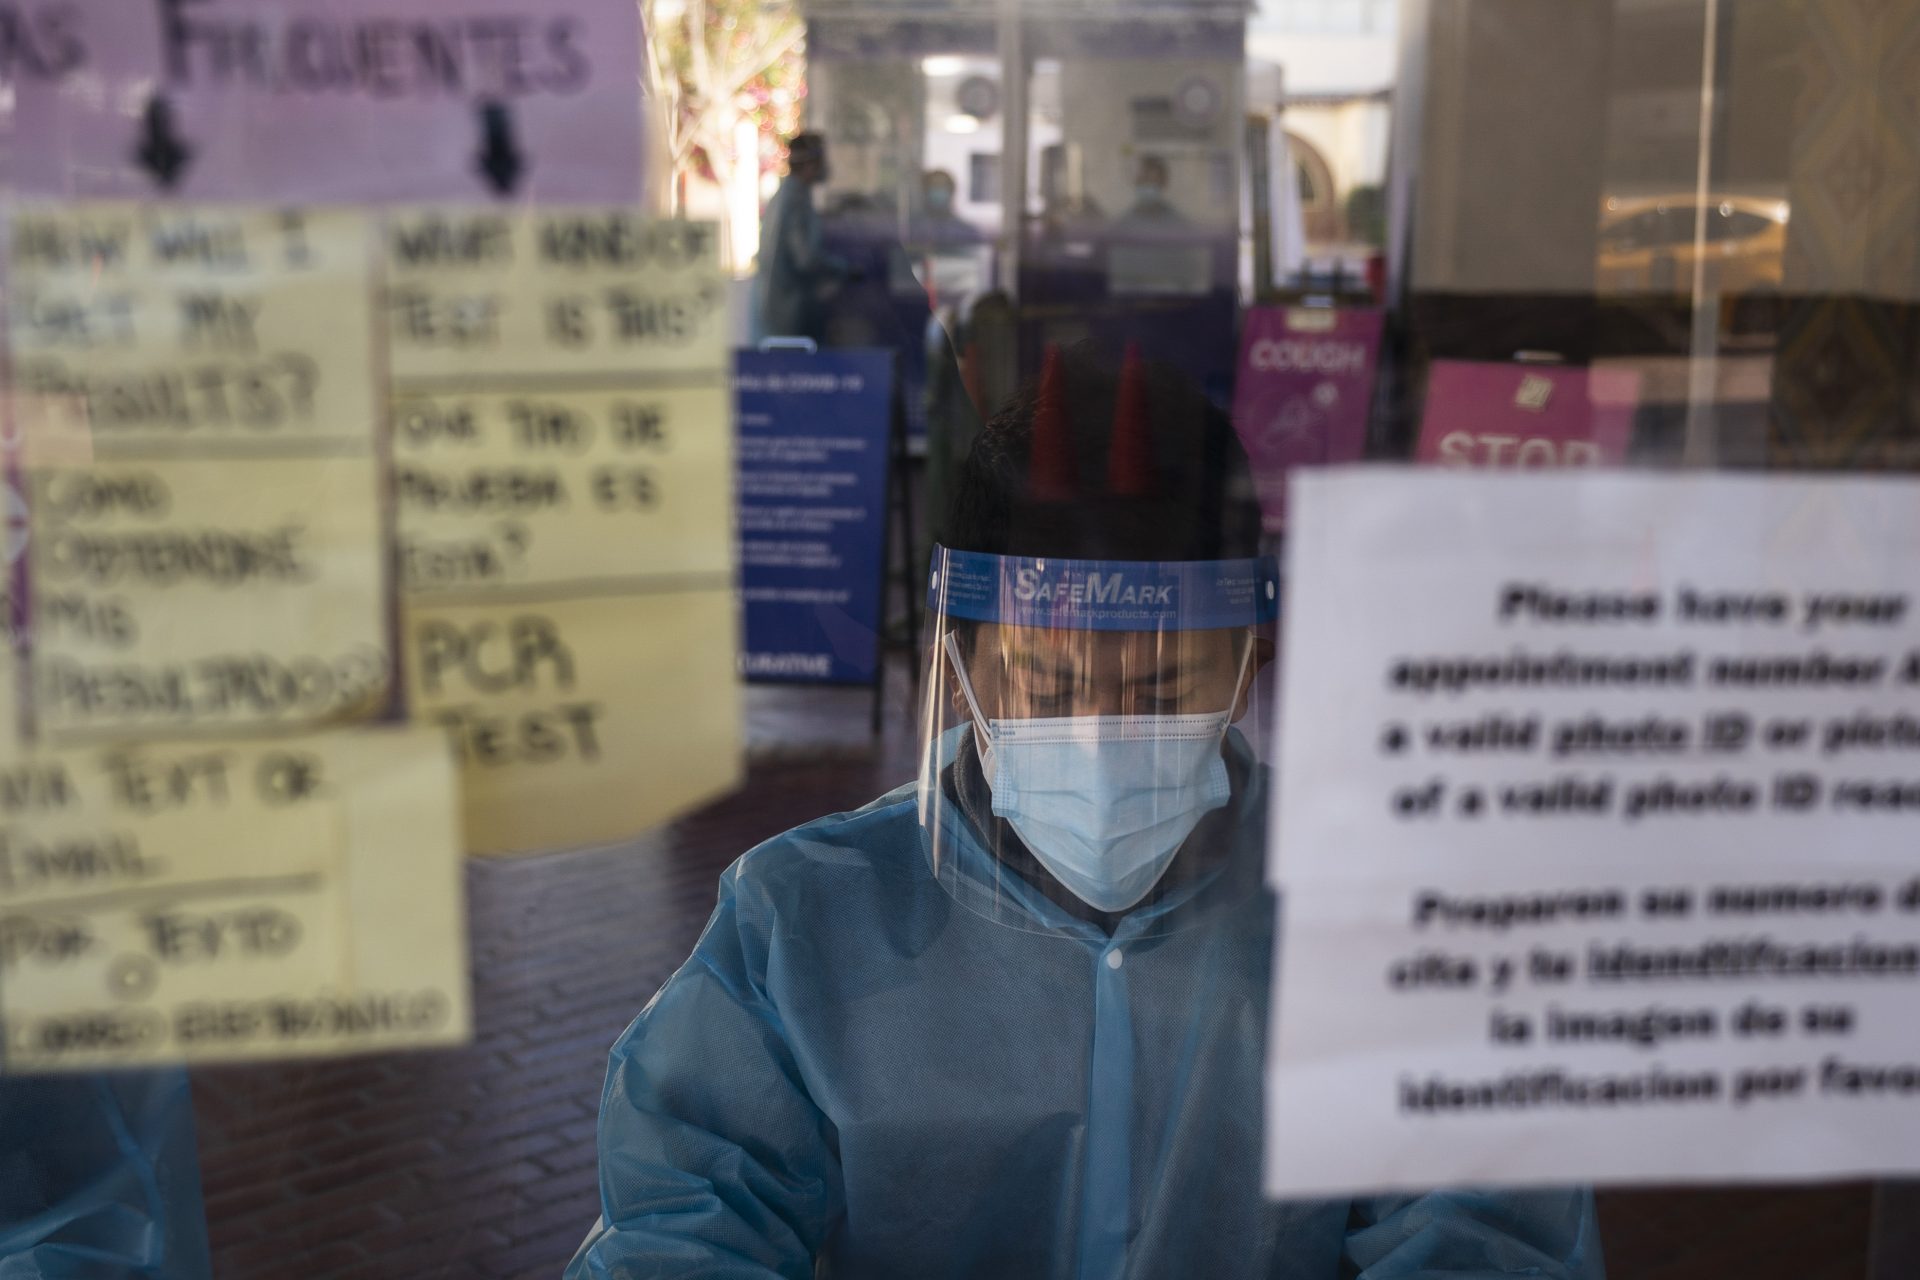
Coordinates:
(346,101)
(1303,394)
(1518,415)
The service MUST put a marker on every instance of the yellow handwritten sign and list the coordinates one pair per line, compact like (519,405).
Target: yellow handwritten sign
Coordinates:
(189,903)
(9,656)
(585,294)
(563,476)
(196,402)
(580,719)
(507,490)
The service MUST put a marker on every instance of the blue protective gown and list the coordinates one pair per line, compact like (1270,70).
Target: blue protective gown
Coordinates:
(99,1179)
(856,1068)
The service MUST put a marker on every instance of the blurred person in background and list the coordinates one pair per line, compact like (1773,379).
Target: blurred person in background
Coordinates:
(1067,211)
(937,223)
(1009,1020)
(1150,207)
(796,275)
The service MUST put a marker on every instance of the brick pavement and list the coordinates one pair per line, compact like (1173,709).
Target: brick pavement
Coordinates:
(479,1162)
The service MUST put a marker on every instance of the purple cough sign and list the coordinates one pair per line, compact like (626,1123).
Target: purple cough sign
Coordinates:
(1303,394)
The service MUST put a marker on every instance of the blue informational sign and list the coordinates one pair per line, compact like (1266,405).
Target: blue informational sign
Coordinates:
(813,484)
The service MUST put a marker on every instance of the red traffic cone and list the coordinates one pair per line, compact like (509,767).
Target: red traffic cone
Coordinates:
(1130,457)
(1050,469)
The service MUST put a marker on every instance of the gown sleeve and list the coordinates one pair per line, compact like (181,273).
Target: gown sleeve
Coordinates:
(714,1159)
(1458,1234)
(99,1178)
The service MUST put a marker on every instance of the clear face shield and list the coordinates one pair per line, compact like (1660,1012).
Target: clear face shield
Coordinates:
(1092,736)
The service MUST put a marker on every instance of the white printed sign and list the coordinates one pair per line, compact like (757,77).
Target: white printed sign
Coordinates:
(1598,831)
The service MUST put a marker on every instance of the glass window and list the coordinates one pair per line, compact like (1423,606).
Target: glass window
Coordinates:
(1031,308)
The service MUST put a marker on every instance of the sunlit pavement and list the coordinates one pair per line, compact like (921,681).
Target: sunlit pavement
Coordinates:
(480,1161)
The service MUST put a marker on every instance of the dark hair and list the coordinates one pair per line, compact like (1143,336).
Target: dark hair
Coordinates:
(1153,169)
(1192,500)
(805,146)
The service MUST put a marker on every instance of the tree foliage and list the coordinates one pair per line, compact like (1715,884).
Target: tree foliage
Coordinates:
(715,63)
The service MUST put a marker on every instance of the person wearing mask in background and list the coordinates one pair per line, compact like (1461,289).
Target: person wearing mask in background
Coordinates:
(1067,211)
(796,275)
(1009,1021)
(1150,207)
(936,223)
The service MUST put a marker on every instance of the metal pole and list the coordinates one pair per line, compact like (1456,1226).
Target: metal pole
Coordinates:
(1013,141)
(1702,446)
(1893,1241)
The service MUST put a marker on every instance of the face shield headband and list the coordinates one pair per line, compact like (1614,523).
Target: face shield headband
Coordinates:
(1104,595)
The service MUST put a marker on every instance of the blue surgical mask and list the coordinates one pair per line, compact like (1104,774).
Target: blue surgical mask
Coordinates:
(938,200)
(1104,802)
(1149,194)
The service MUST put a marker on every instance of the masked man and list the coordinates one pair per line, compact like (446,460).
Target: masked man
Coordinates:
(1008,1021)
